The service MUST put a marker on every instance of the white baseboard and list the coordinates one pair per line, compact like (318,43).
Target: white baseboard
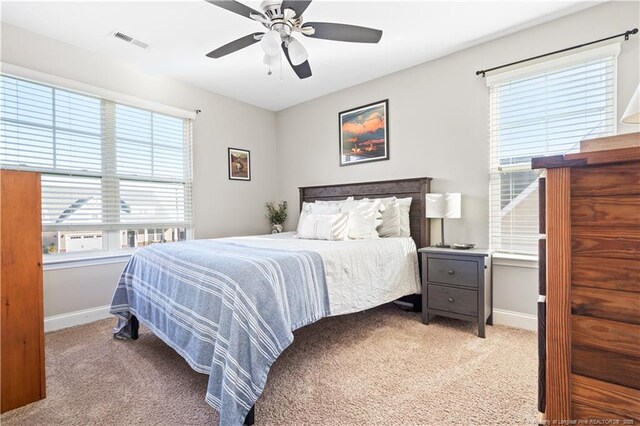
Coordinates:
(515,319)
(85,316)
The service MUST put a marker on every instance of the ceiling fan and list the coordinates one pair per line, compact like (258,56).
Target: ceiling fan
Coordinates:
(283,18)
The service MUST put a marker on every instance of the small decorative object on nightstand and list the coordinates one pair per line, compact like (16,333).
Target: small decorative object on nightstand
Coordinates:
(443,206)
(457,284)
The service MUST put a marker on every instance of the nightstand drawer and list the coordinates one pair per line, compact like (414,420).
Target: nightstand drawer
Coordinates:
(458,300)
(452,271)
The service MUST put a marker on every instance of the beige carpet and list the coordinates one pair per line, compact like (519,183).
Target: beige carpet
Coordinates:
(380,367)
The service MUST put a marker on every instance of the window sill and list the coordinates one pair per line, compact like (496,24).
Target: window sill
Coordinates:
(515,260)
(67,262)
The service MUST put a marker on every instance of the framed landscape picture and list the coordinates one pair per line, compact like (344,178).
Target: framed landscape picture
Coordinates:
(364,133)
(239,164)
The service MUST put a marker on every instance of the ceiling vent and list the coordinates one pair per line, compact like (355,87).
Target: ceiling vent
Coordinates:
(129,39)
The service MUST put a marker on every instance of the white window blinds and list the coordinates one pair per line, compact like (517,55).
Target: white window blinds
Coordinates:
(104,166)
(540,113)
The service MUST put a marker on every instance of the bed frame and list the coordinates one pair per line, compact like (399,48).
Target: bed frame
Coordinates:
(415,188)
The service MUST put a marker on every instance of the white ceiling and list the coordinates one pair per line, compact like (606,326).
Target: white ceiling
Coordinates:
(180,33)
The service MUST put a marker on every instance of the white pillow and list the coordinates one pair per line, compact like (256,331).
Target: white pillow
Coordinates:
(320,207)
(334,202)
(390,226)
(324,209)
(324,227)
(303,216)
(405,206)
(364,218)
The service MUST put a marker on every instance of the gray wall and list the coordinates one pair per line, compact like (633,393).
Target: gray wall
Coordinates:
(438,125)
(221,207)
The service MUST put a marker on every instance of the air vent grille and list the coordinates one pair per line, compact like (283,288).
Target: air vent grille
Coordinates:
(139,43)
(129,39)
(123,37)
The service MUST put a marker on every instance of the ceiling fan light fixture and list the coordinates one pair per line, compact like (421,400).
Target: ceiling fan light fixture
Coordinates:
(297,53)
(282,18)
(271,60)
(270,43)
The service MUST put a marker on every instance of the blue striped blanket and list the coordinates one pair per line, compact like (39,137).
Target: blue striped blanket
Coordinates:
(228,309)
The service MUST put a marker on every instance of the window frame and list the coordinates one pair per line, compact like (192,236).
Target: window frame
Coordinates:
(111,251)
(496,169)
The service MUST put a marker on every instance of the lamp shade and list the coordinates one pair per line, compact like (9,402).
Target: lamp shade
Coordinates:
(448,206)
(297,53)
(272,61)
(270,43)
(632,113)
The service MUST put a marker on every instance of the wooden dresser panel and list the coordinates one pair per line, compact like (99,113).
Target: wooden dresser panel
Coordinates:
(610,400)
(592,263)
(22,322)
(605,292)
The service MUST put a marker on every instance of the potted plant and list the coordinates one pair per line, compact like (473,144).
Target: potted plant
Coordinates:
(276,215)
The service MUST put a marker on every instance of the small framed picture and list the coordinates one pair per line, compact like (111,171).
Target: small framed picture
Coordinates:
(239,164)
(364,133)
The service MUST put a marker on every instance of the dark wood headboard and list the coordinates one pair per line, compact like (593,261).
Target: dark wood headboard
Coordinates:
(401,188)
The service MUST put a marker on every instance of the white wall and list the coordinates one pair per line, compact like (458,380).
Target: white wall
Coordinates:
(221,207)
(438,125)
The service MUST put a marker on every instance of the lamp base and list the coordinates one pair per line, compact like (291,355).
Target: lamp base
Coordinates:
(443,245)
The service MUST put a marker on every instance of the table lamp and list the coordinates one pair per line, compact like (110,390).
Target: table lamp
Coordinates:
(443,206)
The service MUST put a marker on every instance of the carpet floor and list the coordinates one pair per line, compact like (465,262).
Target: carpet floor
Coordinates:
(379,367)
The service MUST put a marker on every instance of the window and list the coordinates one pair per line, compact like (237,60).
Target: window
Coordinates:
(113,176)
(546,109)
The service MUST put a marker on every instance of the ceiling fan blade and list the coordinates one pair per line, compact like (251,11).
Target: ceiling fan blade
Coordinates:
(299,6)
(303,70)
(235,7)
(235,45)
(343,32)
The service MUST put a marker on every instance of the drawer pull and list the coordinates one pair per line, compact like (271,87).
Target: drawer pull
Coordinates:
(450,271)
(451,300)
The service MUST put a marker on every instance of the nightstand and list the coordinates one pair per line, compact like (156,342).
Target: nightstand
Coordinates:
(457,284)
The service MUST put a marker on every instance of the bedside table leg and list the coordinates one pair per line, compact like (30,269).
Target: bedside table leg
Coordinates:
(426,318)
(481,329)
(490,319)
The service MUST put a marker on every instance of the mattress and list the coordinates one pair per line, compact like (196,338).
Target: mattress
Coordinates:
(360,274)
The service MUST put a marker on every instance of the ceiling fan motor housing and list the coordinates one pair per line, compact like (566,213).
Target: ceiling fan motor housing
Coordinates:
(271,8)
(283,21)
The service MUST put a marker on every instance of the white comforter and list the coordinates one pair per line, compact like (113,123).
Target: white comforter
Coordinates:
(360,274)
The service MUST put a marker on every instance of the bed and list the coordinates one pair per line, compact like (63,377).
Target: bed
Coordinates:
(229,306)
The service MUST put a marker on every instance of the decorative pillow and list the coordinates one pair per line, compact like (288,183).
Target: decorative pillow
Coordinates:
(364,218)
(320,207)
(324,227)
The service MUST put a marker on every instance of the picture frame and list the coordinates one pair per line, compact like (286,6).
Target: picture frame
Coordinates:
(239,161)
(364,133)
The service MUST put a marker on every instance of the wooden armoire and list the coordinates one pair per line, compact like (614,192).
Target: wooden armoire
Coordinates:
(590,277)
(22,322)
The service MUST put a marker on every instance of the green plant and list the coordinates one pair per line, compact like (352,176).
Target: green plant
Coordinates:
(276,214)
